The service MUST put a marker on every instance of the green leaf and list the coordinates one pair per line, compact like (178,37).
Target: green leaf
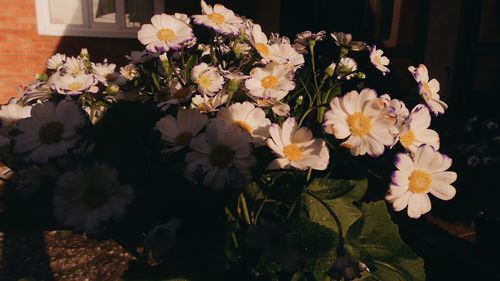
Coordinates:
(376,239)
(353,190)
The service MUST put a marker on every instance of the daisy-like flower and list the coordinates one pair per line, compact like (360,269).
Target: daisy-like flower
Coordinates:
(179,132)
(249,118)
(164,33)
(90,196)
(283,53)
(258,39)
(218,18)
(398,110)
(217,158)
(346,67)
(75,85)
(361,118)
(345,40)
(305,38)
(428,89)
(296,147)
(74,66)
(206,104)
(272,81)
(105,73)
(415,131)
(12,112)
(241,49)
(418,175)
(278,107)
(129,72)
(378,60)
(50,131)
(207,78)
(56,61)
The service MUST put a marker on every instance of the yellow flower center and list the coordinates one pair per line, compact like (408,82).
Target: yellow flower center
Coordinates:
(262,48)
(75,86)
(293,152)
(216,18)
(243,125)
(183,138)
(205,81)
(221,156)
(166,34)
(359,124)
(407,138)
(420,181)
(51,132)
(269,82)
(426,89)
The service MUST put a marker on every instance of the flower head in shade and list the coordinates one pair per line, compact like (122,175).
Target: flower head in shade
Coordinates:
(345,40)
(129,72)
(75,85)
(56,61)
(273,81)
(305,38)
(396,109)
(296,148)
(207,78)
(164,33)
(218,18)
(206,104)
(428,89)
(105,73)
(361,118)
(50,131)
(138,57)
(378,60)
(179,132)
(416,132)
(219,155)
(89,196)
(249,118)
(12,112)
(416,176)
(73,66)
(346,68)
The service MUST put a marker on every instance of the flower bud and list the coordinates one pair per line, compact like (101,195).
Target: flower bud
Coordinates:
(330,70)
(42,77)
(112,89)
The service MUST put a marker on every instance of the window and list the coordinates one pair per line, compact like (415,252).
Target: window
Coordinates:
(95,18)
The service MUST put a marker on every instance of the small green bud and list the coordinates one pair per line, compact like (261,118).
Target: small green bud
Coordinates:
(42,77)
(330,70)
(84,53)
(112,89)
(360,75)
(233,86)
(343,52)
(300,99)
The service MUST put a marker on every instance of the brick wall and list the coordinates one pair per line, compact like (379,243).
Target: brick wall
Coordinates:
(23,52)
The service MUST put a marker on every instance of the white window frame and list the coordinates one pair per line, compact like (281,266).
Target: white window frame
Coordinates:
(89,29)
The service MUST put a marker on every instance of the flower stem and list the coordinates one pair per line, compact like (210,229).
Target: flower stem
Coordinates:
(332,213)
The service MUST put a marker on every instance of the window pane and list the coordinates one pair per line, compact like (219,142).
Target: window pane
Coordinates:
(104,11)
(66,11)
(138,12)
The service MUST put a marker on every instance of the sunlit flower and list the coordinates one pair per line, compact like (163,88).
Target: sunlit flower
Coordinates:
(283,53)
(183,17)
(129,72)
(206,104)
(241,49)
(258,39)
(346,68)
(75,85)
(279,108)
(50,131)
(378,60)
(428,89)
(74,66)
(220,153)
(90,196)
(296,148)
(361,118)
(12,112)
(249,118)
(179,132)
(219,18)
(207,78)
(56,61)
(415,131)
(272,81)
(345,40)
(164,33)
(417,176)
(105,73)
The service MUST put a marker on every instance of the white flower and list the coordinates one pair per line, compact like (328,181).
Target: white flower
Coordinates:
(396,109)
(219,18)
(221,154)
(179,132)
(278,107)
(241,49)
(50,131)
(379,61)
(272,81)
(305,38)
(296,147)
(12,112)
(183,17)
(283,53)
(129,72)
(258,39)
(90,196)
(417,176)
(206,104)
(166,32)
(428,89)
(74,66)
(207,78)
(346,67)
(415,131)
(249,118)
(361,118)
(75,85)
(105,73)
(56,61)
